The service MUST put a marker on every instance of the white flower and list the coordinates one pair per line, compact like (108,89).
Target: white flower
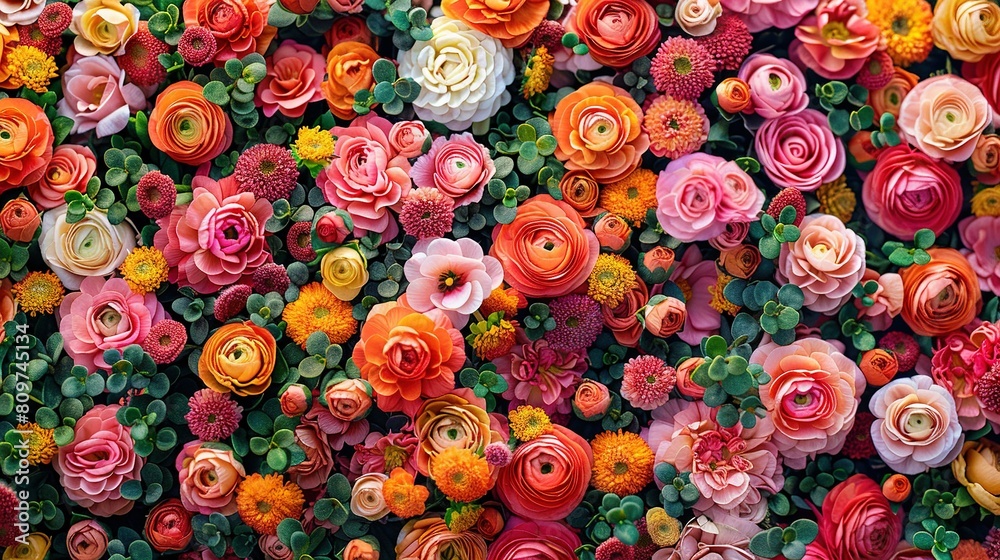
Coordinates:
(463,74)
(697,17)
(90,247)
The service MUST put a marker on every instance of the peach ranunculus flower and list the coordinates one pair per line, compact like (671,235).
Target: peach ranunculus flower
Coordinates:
(408,356)
(103,26)
(208,476)
(837,40)
(986,159)
(239,357)
(511,21)
(294,74)
(19,220)
(239,26)
(86,540)
(967,29)
(616,32)
(977,468)
(547,477)
(890,97)
(887,299)
(547,250)
(826,261)
(598,130)
(812,397)
(20,12)
(366,496)
(458,419)
(26,139)
(941,296)
(70,169)
(89,247)
(186,126)
(348,71)
(430,537)
(981,237)
(944,117)
(916,426)
(96,96)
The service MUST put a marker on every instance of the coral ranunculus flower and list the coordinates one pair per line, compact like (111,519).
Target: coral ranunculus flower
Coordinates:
(616,31)
(546,251)
(540,540)
(857,521)
(239,26)
(294,74)
(511,21)
(25,143)
(941,296)
(837,41)
(598,130)
(408,356)
(348,70)
(239,357)
(187,127)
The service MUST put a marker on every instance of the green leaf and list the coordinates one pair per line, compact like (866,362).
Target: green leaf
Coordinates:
(806,530)
(715,346)
(384,92)
(924,239)
(840,121)
(384,70)
(923,540)
(277,459)
(215,92)
(767,544)
(131,490)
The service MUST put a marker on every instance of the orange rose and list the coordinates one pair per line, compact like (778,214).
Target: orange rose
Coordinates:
(580,191)
(665,317)
(941,296)
(349,70)
(734,96)
(740,262)
(591,400)
(879,366)
(360,549)
(897,488)
(617,32)
(861,153)
(239,26)
(598,129)
(19,220)
(889,98)
(347,400)
(621,320)
(545,251)
(25,143)
(239,357)
(459,420)
(613,233)
(186,126)
(70,168)
(685,385)
(511,21)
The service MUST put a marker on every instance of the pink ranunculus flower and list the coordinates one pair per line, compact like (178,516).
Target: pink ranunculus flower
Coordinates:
(341,432)
(838,54)
(70,169)
(916,425)
(96,96)
(729,466)
(777,86)
(217,239)
(695,275)
(985,338)
(761,14)
(93,467)
(944,117)
(20,12)
(800,150)
(887,299)
(407,138)
(981,236)
(105,315)
(698,194)
(542,376)
(952,368)
(539,540)
(367,177)
(453,276)
(294,73)
(458,166)
(723,537)
(812,397)
(826,261)
(208,476)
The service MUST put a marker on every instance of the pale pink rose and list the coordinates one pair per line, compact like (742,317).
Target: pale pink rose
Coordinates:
(952,368)
(93,467)
(70,168)
(313,472)
(96,96)
(812,397)
(800,150)
(777,86)
(761,14)
(826,261)
(208,477)
(217,239)
(723,537)
(407,138)
(346,6)
(981,236)
(916,426)
(458,166)
(887,298)
(367,177)
(294,73)
(729,466)
(841,55)
(105,315)
(20,12)
(453,276)
(698,194)
(695,276)
(944,116)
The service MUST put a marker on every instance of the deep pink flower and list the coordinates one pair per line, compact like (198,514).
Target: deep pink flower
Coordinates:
(800,151)
(837,40)
(382,453)
(313,472)
(458,166)
(341,432)
(217,239)
(104,315)
(761,14)
(453,276)
(539,540)
(695,276)
(294,74)
(541,376)
(951,368)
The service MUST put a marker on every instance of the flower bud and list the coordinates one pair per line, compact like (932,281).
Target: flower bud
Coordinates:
(612,232)
(879,366)
(734,96)
(295,400)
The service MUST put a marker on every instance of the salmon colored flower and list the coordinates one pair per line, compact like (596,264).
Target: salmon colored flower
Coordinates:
(890,97)
(617,32)
(25,143)
(857,521)
(19,220)
(887,299)
(294,74)
(430,537)
(348,71)
(967,29)
(944,116)
(941,296)
(239,357)
(186,126)
(70,168)
(836,41)
(897,488)
(524,538)
(826,261)
(239,26)
(511,21)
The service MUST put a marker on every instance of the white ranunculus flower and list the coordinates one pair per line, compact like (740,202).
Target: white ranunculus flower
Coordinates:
(697,17)
(463,74)
(90,247)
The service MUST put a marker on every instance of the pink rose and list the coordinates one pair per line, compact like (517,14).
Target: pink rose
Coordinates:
(840,55)
(346,6)
(70,168)
(944,116)
(887,299)
(294,74)
(761,14)
(800,150)
(907,191)
(826,261)
(950,368)
(777,86)
(812,397)
(208,477)
(96,96)
(367,177)
(698,194)
(538,540)
(86,540)
(93,467)
(981,237)
(407,138)
(105,315)
(334,227)
(858,522)
(458,166)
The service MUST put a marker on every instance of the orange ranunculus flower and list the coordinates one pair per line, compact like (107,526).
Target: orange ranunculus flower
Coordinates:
(941,296)
(25,143)
(348,70)
(617,32)
(8,40)
(511,21)
(19,220)
(967,29)
(407,356)
(187,127)
(598,130)
(580,191)
(430,537)
(890,97)
(458,419)
(897,488)
(734,96)
(239,357)
(239,26)
(546,251)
